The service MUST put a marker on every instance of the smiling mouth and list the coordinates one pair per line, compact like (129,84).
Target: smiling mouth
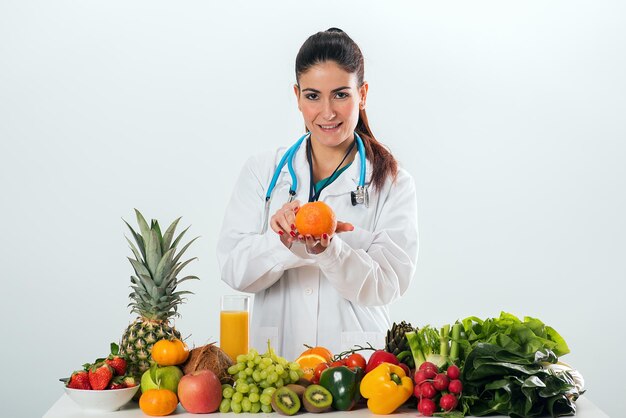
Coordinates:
(330,127)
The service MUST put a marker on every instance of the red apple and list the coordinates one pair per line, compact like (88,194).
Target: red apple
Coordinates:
(200,392)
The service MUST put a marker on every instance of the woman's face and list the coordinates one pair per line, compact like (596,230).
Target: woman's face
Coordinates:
(329,99)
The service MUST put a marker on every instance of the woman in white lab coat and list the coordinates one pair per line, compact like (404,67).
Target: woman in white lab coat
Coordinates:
(333,291)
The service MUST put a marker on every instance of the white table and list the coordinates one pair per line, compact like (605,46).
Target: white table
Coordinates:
(66,408)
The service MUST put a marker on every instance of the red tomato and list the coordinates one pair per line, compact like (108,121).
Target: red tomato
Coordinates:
(318,371)
(338,363)
(356,360)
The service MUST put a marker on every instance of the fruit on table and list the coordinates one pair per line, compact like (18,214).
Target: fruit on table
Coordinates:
(380,356)
(100,374)
(79,380)
(343,384)
(158,402)
(157,377)
(256,378)
(316,399)
(315,219)
(169,352)
(117,362)
(209,357)
(320,351)
(308,363)
(155,299)
(285,401)
(200,392)
(356,360)
(318,372)
(386,388)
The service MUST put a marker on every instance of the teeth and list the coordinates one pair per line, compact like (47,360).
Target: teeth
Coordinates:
(329,126)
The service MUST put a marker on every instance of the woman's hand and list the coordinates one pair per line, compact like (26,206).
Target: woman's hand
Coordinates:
(315,246)
(283,222)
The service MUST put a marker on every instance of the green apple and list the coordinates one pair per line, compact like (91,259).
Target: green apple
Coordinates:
(161,378)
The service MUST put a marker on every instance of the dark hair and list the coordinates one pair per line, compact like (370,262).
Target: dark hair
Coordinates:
(335,45)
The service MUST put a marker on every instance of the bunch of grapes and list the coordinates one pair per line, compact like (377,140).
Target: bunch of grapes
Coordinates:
(256,378)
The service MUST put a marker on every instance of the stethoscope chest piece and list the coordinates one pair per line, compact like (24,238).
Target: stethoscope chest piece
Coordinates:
(360,196)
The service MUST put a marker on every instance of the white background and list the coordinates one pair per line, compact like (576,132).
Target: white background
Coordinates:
(510,117)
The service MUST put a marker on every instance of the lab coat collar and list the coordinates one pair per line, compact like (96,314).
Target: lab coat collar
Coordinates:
(345,183)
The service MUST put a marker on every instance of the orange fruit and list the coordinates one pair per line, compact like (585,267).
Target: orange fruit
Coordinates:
(320,351)
(308,363)
(158,402)
(316,218)
(169,352)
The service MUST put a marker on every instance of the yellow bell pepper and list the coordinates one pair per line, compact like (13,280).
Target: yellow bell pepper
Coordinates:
(386,388)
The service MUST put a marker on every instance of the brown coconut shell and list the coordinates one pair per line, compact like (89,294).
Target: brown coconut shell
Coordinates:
(209,357)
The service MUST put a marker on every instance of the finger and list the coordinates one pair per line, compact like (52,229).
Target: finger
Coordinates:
(344,227)
(325,240)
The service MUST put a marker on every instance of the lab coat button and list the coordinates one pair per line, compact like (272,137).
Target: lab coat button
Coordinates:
(308,291)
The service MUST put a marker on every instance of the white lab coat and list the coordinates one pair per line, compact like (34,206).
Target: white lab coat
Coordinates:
(335,299)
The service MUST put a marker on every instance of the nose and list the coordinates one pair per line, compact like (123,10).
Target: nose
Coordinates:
(328,113)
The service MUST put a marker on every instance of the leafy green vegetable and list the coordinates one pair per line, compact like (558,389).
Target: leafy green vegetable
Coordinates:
(508,331)
(499,380)
(430,344)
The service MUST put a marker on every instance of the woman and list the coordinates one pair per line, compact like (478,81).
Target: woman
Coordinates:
(333,292)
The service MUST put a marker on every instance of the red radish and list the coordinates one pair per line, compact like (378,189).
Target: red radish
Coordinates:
(429,369)
(441,382)
(426,407)
(420,376)
(428,390)
(448,402)
(453,372)
(455,386)
(416,391)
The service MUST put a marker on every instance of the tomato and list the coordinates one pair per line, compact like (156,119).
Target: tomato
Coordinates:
(169,352)
(338,363)
(158,402)
(356,360)
(318,371)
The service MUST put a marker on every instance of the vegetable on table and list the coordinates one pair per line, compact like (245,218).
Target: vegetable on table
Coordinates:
(435,346)
(386,388)
(343,383)
(378,357)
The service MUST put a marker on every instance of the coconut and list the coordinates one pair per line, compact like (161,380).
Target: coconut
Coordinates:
(209,357)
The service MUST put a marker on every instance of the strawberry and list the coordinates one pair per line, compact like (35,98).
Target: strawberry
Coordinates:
(118,363)
(117,383)
(130,381)
(79,380)
(100,375)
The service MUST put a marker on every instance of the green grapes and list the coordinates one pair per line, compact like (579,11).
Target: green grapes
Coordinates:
(256,377)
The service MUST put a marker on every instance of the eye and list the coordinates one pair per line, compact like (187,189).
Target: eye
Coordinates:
(342,95)
(311,96)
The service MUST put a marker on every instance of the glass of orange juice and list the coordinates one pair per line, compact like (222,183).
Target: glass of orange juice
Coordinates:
(234,319)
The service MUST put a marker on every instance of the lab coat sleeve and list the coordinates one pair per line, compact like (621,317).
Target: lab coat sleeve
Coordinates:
(250,261)
(381,271)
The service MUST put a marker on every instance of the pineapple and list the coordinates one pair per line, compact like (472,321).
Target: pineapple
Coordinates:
(397,344)
(154,296)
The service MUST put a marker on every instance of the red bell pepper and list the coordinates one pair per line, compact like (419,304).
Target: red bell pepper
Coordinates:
(380,356)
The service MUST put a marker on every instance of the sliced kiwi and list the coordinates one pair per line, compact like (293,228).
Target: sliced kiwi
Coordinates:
(316,399)
(304,382)
(285,401)
(297,388)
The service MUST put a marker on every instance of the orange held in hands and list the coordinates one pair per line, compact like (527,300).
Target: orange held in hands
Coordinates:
(316,219)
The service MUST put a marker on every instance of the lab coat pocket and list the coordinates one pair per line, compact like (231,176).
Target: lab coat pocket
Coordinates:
(351,338)
(261,335)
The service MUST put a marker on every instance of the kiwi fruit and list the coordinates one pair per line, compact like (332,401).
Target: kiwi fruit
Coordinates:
(297,388)
(317,399)
(304,382)
(285,401)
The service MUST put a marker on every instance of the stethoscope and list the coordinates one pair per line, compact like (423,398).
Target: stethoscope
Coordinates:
(358,196)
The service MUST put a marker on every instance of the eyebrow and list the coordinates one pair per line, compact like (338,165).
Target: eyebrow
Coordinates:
(332,91)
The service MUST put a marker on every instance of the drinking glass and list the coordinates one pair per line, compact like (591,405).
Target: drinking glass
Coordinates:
(234,320)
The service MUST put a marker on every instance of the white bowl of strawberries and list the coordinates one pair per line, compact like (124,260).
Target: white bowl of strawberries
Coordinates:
(102,386)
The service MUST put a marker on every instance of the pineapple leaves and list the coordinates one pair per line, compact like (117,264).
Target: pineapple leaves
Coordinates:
(165,265)
(143,225)
(139,267)
(134,249)
(178,238)
(169,235)
(153,251)
(184,249)
(138,239)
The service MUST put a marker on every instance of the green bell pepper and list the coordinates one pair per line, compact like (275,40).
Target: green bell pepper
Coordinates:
(344,384)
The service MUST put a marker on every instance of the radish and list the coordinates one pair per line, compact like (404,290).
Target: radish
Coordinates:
(455,386)
(453,372)
(420,376)
(417,391)
(448,402)
(427,390)
(426,407)
(441,382)
(429,369)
